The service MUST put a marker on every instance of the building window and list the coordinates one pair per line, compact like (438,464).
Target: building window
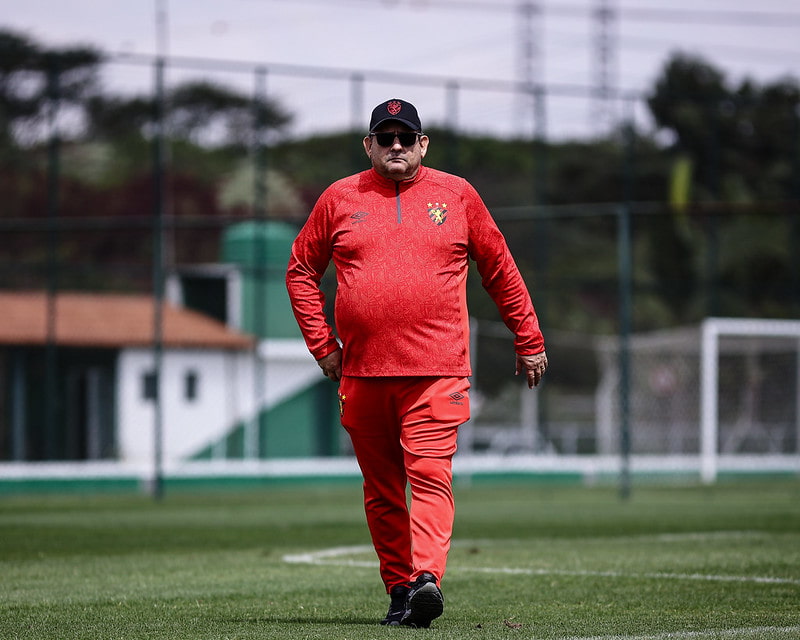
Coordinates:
(191,383)
(150,385)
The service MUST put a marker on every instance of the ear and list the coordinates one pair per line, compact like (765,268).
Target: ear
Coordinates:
(423,145)
(367,145)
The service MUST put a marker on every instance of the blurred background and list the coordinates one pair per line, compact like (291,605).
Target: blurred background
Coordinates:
(642,158)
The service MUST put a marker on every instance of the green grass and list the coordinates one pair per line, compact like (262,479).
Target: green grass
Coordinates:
(528,562)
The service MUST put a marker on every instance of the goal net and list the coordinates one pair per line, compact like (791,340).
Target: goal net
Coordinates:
(750,390)
(720,396)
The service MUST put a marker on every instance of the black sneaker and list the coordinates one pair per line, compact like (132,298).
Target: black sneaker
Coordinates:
(397,608)
(425,602)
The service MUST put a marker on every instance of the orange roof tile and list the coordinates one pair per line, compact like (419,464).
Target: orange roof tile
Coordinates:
(109,320)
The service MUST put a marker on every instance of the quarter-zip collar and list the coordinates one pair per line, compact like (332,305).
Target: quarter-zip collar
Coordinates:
(395,188)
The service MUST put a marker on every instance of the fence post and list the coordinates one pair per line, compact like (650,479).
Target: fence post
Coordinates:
(52,396)
(794,216)
(712,228)
(625,258)
(157,487)
(253,441)
(625,277)
(542,242)
(357,119)
(452,139)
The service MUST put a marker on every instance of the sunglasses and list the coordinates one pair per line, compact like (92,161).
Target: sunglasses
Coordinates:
(386,139)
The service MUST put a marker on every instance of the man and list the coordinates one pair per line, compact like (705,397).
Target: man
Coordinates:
(400,236)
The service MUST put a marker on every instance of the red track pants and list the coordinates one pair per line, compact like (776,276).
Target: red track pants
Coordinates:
(404,431)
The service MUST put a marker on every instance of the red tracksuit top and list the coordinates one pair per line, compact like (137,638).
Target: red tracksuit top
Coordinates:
(401,254)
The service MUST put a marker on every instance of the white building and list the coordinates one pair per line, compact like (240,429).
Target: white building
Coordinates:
(79,373)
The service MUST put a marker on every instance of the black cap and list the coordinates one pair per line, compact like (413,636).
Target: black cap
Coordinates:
(395,109)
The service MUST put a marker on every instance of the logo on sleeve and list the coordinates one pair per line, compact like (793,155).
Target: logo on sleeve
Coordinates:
(437,212)
(358,216)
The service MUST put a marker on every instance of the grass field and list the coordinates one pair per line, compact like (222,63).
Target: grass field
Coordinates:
(528,561)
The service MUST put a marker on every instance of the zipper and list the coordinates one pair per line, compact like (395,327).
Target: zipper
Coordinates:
(397,200)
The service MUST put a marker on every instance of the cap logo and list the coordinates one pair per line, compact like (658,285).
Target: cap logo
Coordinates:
(394,107)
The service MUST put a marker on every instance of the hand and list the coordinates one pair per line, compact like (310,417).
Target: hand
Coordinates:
(331,365)
(534,367)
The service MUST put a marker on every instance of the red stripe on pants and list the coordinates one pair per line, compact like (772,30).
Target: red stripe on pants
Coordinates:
(404,432)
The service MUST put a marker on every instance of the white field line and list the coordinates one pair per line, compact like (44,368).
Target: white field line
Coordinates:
(623,574)
(332,556)
(745,632)
(338,556)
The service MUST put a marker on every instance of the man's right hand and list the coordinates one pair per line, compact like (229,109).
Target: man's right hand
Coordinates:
(331,365)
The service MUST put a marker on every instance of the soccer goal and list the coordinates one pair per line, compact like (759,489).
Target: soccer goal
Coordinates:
(749,393)
(722,396)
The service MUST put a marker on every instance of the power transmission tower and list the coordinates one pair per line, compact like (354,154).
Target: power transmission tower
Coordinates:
(604,65)
(530,67)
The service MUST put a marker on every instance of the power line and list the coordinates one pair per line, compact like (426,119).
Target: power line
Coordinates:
(717,17)
(568,39)
(751,53)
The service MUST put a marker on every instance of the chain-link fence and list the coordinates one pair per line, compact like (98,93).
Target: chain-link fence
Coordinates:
(620,285)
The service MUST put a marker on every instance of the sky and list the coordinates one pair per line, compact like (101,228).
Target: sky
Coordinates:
(456,60)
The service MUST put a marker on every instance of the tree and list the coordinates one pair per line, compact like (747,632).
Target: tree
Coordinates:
(742,139)
(32,75)
(742,142)
(202,113)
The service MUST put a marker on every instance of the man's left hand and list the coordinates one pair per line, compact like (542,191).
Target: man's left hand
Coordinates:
(534,367)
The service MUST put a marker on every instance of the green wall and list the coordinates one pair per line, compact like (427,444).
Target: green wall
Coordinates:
(262,249)
(305,425)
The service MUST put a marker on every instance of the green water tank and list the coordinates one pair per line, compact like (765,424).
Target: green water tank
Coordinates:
(261,250)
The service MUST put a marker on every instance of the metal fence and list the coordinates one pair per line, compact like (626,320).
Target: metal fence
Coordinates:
(599,273)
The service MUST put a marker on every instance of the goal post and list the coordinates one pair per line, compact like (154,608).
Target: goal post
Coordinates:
(713,331)
(718,397)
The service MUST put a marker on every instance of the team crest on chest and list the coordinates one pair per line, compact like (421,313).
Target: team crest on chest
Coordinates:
(437,212)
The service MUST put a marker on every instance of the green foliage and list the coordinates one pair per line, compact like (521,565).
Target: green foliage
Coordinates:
(314,162)
(556,202)
(31,75)
(196,109)
(119,119)
(743,139)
